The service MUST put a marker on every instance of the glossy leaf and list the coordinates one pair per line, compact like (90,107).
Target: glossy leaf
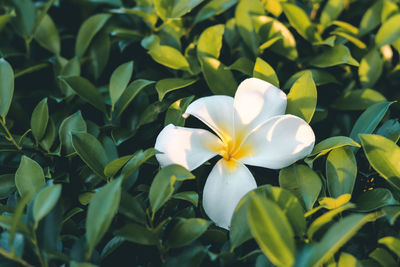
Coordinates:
(176,110)
(29,177)
(358,99)
(73,123)
(332,56)
(47,35)
(119,81)
(39,119)
(186,231)
(169,57)
(370,69)
(331,11)
(264,71)
(212,8)
(165,86)
(389,31)
(302,98)
(375,199)
(6,86)
(210,41)
(45,201)
(170,10)
(138,234)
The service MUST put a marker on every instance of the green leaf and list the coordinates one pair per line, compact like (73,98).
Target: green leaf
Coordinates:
(371,18)
(370,69)
(169,57)
(7,185)
(86,90)
(384,156)
(391,213)
(186,231)
(331,11)
(341,171)
(189,196)
(6,86)
(165,86)
(29,177)
(348,260)
(301,22)
(137,159)
(375,199)
(302,98)
(264,71)
(290,205)
(303,182)
(49,136)
(176,110)
(358,99)
(87,31)
(320,77)
(102,209)
(129,94)
(175,9)
(119,81)
(90,151)
(47,35)
(39,119)
(99,52)
(73,123)
(326,218)
(45,201)
(369,119)
(244,13)
(337,236)
(244,65)
(332,56)
(325,146)
(391,243)
(210,41)
(137,234)
(114,166)
(382,257)
(213,7)
(351,38)
(272,231)
(25,19)
(389,31)
(219,79)
(163,185)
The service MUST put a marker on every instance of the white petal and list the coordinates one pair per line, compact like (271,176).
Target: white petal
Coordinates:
(279,142)
(185,146)
(255,102)
(227,183)
(216,112)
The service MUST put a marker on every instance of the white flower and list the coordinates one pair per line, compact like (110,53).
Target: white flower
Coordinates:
(251,128)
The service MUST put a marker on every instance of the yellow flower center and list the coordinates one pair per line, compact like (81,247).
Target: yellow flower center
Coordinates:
(234,148)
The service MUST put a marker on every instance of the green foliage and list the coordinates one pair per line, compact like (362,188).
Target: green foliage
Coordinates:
(86,86)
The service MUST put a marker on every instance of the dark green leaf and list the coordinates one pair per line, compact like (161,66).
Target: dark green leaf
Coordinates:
(6,86)
(7,185)
(137,234)
(176,110)
(186,231)
(73,123)
(375,199)
(47,35)
(29,177)
(119,81)
(170,84)
(39,120)
(358,99)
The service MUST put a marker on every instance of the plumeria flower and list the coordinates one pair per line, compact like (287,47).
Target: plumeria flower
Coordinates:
(250,129)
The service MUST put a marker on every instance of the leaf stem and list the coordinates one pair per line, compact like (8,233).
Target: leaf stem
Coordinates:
(9,136)
(43,263)
(14,257)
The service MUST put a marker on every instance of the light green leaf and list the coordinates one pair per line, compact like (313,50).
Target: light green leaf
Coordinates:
(138,158)
(301,22)
(176,110)
(326,218)
(264,71)
(114,166)
(341,171)
(213,7)
(219,79)
(389,31)
(351,38)
(384,156)
(47,35)
(382,257)
(175,9)
(244,65)
(325,146)
(102,209)
(87,31)
(129,94)
(73,123)
(375,199)
(169,57)
(163,185)
(90,151)
(369,119)
(303,182)
(45,201)
(272,231)
(370,69)
(119,80)
(6,86)
(337,236)
(86,90)
(302,98)
(49,136)
(348,260)
(210,41)
(290,205)
(358,99)
(391,243)
(29,177)
(320,77)
(39,119)
(331,11)
(189,196)
(332,56)
(186,231)
(165,86)
(371,18)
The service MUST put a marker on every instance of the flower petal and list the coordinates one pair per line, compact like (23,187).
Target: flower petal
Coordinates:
(227,183)
(216,112)
(186,146)
(276,144)
(255,102)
